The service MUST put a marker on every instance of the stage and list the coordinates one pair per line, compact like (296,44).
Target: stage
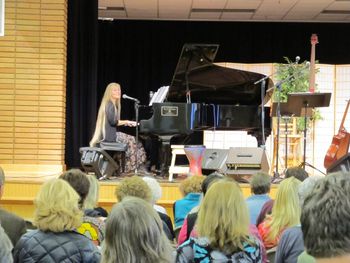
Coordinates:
(22,185)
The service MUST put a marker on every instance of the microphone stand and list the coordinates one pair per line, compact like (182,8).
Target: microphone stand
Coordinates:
(136,106)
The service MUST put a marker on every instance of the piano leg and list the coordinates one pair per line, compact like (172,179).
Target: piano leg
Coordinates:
(165,156)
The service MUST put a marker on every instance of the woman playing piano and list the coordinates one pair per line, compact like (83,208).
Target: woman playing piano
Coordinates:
(108,119)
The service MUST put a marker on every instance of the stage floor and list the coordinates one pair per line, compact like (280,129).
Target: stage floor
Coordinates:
(21,189)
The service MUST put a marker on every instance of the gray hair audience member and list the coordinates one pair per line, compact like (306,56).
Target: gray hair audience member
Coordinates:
(325,219)
(13,225)
(5,247)
(134,233)
(291,244)
(156,193)
(260,187)
(297,172)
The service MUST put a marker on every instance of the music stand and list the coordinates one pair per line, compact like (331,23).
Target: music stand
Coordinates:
(304,101)
(286,110)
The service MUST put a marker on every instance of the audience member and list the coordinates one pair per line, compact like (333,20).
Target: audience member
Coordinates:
(222,226)
(260,187)
(91,201)
(291,244)
(265,210)
(92,227)
(5,247)
(325,219)
(57,215)
(156,193)
(134,233)
(296,172)
(135,186)
(191,218)
(13,225)
(190,189)
(285,213)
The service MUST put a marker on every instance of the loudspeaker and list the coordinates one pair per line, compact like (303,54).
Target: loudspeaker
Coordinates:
(246,161)
(214,160)
(341,165)
(98,161)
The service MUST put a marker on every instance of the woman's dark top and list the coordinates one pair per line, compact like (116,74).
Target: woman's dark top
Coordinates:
(111,123)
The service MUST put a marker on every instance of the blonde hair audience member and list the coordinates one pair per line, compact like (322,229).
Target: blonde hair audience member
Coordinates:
(133,186)
(191,189)
(57,215)
(285,213)
(134,233)
(108,119)
(91,201)
(223,229)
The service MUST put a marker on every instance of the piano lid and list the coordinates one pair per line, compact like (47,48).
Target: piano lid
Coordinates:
(209,83)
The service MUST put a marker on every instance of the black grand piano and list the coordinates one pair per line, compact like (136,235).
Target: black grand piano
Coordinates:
(205,96)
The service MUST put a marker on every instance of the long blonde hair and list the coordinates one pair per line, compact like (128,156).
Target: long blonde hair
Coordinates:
(91,199)
(134,233)
(286,209)
(99,133)
(57,207)
(223,217)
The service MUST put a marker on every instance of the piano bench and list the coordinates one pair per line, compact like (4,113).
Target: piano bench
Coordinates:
(173,168)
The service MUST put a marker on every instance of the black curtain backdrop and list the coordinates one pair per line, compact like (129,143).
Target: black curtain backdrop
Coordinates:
(142,56)
(82,47)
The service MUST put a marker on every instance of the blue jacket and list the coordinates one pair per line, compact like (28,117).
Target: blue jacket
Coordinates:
(183,206)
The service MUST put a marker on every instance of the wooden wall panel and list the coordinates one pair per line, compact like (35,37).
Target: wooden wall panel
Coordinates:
(32,83)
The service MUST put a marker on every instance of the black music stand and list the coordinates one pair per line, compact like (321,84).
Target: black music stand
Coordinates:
(286,111)
(305,101)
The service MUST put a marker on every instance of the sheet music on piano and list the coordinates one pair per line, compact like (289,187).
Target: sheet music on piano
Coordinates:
(160,95)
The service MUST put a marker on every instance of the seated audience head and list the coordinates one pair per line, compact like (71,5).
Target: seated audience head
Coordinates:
(155,188)
(209,180)
(260,183)
(297,172)
(93,194)
(79,181)
(57,207)
(192,184)
(325,219)
(134,233)
(307,186)
(133,186)
(223,217)
(286,209)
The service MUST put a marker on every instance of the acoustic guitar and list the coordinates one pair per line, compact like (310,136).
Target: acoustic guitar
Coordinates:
(340,143)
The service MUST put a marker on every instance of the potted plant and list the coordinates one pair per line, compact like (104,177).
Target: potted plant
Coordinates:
(294,78)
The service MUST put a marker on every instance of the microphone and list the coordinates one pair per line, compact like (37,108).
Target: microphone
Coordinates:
(297,59)
(130,98)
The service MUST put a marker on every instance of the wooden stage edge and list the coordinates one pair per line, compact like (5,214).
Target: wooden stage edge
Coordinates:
(22,186)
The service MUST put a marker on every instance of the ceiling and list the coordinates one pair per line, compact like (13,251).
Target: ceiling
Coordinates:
(228,10)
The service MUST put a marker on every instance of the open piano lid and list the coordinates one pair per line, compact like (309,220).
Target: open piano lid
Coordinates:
(209,83)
